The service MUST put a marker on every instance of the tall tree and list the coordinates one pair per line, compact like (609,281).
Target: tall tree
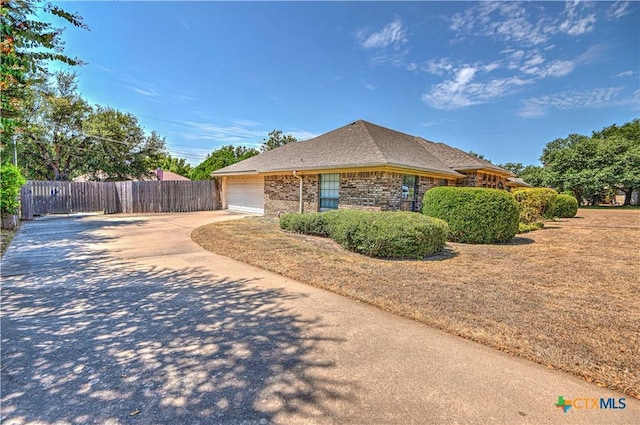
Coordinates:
(64,137)
(620,145)
(276,139)
(26,46)
(117,147)
(223,157)
(575,164)
(51,145)
(534,175)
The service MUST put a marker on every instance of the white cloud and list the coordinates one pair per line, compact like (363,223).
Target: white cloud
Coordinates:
(239,131)
(392,34)
(577,20)
(149,93)
(462,91)
(627,73)
(618,10)
(370,87)
(507,21)
(572,99)
(438,66)
(412,67)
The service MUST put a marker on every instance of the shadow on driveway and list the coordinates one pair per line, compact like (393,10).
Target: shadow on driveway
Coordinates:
(95,340)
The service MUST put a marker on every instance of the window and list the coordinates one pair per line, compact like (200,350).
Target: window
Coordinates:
(329,191)
(409,193)
(409,186)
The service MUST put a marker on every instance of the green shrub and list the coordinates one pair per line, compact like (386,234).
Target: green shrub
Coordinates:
(535,203)
(474,215)
(376,234)
(524,228)
(10,182)
(565,206)
(310,224)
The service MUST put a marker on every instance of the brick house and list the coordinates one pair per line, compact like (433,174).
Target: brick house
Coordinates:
(358,166)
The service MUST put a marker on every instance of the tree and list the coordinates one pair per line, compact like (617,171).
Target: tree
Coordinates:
(223,157)
(63,137)
(515,167)
(576,164)
(478,155)
(621,148)
(117,148)
(534,175)
(173,164)
(26,46)
(275,140)
(50,144)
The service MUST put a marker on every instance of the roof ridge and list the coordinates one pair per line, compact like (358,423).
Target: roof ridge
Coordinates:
(380,153)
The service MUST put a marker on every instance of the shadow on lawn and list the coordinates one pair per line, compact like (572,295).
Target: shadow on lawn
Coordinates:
(90,343)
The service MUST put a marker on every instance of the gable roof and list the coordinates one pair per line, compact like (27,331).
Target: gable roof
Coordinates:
(356,145)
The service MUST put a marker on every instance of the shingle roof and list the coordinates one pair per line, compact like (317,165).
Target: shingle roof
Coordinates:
(461,161)
(359,144)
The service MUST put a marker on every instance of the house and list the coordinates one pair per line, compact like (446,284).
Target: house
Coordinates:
(358,166)
(164,175)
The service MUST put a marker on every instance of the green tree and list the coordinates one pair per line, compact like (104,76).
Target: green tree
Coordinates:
(576,164)
(515,167)
(534,175)
(64,137)
(621,148)
(276,139)
(51,145)
(220,158)
(175,165)
(26,46)
(589,167)
(117,147)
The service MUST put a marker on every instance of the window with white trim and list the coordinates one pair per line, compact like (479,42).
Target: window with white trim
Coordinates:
(329,192)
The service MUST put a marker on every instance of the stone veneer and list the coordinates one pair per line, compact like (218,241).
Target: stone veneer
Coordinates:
(374,190)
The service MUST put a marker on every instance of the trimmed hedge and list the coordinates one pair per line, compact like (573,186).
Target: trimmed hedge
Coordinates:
(535,203)
(565,206)
(474,215)
(386,234)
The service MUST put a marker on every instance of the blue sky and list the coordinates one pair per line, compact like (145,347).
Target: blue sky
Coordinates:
(500,79)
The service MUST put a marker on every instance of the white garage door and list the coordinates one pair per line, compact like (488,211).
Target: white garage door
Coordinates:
(246,194)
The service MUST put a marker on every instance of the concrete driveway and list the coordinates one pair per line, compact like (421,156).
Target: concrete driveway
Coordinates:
(123,319)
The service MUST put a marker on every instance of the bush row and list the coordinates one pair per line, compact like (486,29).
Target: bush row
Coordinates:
(386,234)
(536,204)
(474,215)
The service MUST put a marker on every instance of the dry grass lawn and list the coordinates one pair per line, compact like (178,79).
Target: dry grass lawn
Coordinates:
(567,296)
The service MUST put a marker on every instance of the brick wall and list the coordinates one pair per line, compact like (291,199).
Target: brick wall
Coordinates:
(374,190)
(281,194)
(481,179)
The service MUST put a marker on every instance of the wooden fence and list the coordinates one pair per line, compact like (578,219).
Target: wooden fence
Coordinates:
(49,197)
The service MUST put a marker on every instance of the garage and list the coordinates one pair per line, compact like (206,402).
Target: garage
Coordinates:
(245,194)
